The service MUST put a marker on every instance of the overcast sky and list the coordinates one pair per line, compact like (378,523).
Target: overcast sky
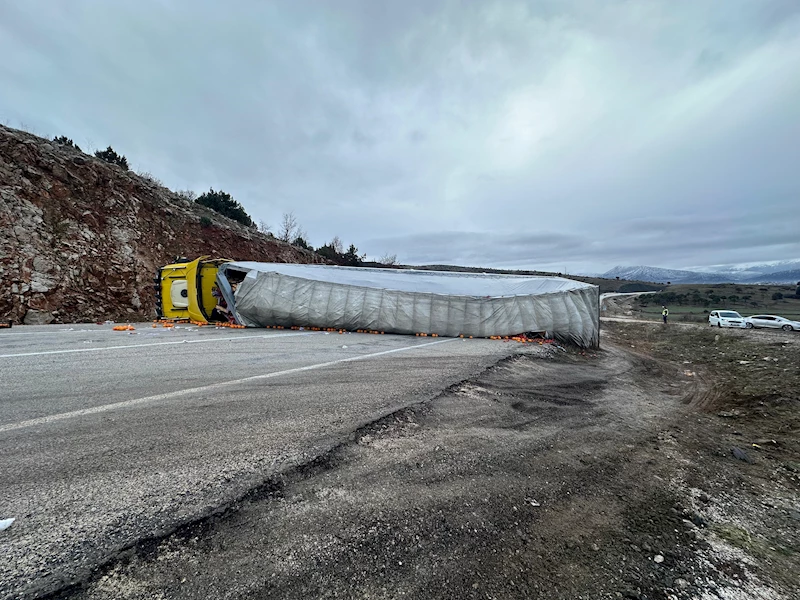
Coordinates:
(547,134)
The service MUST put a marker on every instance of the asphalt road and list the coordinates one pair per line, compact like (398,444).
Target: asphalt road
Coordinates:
(108,438)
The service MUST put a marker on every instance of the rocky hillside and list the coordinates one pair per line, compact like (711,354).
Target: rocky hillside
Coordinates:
(81,239)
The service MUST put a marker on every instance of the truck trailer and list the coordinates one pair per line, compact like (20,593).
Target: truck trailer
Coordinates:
(402,301)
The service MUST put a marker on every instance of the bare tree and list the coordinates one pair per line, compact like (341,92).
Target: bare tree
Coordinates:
(388,259)
(337,245)
(149,177)
(264,227)
(187,195)
(290,228)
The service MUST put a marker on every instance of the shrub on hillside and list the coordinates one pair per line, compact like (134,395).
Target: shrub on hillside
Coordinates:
(388,259)
(327,251)
(301,243)
(65,141)
(205,222)
(224,204)
(187,195)
(265,228)
(149,177)
(112,157)
(349,258)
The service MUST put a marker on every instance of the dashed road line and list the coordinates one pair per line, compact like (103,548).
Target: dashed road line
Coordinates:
(204,388)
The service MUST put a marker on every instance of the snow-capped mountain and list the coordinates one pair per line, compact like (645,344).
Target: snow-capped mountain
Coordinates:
(752,270)
(787,271)
(659,275)
(790,277)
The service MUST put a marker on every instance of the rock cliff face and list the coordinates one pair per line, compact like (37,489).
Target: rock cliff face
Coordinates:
(81,239)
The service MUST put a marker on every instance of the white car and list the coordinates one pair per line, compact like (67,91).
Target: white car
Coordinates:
(725,318)
(771,321)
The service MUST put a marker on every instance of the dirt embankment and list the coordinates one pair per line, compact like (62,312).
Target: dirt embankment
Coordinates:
(80,239)
(739,441)
(556,474)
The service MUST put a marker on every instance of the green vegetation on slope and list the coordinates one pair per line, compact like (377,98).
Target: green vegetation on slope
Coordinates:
(224,204)
(693,302)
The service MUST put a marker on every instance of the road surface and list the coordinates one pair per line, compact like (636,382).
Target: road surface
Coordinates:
(109,437)
(234,465)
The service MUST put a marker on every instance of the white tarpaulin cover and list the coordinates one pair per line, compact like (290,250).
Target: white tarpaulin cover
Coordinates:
(409,301)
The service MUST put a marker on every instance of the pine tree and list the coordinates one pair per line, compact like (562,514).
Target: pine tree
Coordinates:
(224,204)
(110,156)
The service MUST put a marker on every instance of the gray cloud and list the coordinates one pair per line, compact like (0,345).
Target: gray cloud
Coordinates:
(535,134)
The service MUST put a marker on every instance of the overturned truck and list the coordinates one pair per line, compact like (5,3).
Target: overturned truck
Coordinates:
(403,301)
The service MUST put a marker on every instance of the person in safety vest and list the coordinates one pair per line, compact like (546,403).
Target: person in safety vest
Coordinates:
(664,313)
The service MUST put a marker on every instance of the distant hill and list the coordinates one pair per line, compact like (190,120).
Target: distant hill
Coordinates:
(605,284)
(750,274)
(659,275)
(791,277)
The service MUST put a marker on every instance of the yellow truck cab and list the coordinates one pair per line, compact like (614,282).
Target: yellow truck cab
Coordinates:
(191,290)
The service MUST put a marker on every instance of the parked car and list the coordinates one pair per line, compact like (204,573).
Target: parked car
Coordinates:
(725,318)
(771,321)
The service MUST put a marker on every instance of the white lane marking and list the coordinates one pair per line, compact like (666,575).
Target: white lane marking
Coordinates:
(55,331)
(101,348)
(203,388)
